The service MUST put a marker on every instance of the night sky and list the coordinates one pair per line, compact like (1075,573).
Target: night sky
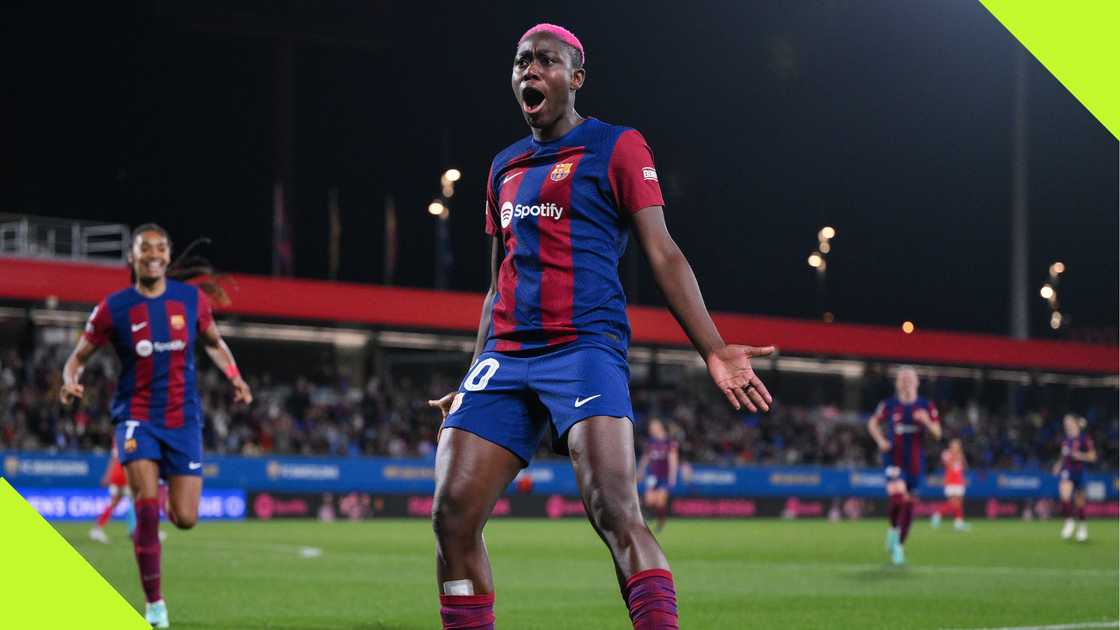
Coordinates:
(890,121)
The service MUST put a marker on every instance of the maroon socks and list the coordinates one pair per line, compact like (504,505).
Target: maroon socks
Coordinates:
(147,547)
(467,612)
(652,600)
(904,519)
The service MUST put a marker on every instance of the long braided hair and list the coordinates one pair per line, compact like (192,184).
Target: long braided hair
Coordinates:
(186,267)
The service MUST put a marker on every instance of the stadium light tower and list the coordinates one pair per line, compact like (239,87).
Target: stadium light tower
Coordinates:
(440,208)
(818,261)
(1049,292)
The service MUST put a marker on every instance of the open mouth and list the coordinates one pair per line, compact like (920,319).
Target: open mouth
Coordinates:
(532,100)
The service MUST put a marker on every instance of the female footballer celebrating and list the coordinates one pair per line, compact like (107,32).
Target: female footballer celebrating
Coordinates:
(553,338)
(153,326)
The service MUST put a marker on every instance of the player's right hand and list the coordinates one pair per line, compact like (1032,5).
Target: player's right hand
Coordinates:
(71,392)
(884,446)
(443,404)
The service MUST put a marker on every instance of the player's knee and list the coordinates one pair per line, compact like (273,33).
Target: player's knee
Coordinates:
(613,512)
(450,517)
(185,521)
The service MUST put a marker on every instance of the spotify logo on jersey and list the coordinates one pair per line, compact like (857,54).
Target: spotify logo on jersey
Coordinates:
(144,348)
(520,211)
(507,214)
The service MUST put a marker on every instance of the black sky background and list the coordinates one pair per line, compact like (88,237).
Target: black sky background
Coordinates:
(890,121)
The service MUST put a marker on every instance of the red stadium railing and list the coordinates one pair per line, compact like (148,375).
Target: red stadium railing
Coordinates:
(23,279)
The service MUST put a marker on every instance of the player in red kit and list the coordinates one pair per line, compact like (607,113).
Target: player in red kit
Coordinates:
(1077,450)
(908,417)
(659,463)
(553,338)
(153,326)
(115,480)
(952,459)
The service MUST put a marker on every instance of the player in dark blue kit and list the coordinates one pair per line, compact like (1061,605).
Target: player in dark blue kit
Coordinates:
(660,463)
(1077,450)
(908,417)
(553,338)
(153,326)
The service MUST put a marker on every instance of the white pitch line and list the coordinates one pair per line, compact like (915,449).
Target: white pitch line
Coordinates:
(1061,626)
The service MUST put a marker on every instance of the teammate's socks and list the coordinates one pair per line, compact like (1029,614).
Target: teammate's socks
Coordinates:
(147,548)
(130,518)
(652,600)
(1081,514)
(895,509)
(904,519)
(1067,509)
(467,612)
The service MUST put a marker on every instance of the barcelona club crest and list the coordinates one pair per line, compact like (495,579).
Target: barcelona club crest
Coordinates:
(560,171)
(177,322)
(130,445)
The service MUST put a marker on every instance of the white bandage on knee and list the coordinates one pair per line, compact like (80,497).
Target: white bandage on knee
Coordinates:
(458,587)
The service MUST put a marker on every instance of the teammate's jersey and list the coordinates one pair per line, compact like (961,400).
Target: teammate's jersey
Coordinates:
(1082,443)
(563,210)
(154,339)
(954,468)
(904,432)
(657,452)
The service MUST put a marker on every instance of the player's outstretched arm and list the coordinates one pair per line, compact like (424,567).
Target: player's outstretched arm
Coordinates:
(728,365)
(72,370)
(222,357)
(444,403)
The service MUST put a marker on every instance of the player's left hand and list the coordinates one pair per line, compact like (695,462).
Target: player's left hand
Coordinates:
(241,392)
(730,368)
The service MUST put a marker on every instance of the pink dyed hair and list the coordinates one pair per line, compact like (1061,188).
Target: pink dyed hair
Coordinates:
(560,33)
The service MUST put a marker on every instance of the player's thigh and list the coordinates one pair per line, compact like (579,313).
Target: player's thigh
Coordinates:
(601,449)
(143,478)
(470,474)
(1065,489)
(184,493)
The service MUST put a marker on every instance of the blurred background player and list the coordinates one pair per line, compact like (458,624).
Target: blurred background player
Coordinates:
(1077,450)
(908,418)
(953,461)
(658,466)
(153,326)
(118,487)
(551,351)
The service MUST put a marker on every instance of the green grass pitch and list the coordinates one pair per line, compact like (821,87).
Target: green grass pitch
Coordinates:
(556,574)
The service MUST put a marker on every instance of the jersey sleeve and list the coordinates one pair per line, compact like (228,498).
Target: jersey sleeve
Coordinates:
(632,174)
(491,209)
(99,326)
(205,314)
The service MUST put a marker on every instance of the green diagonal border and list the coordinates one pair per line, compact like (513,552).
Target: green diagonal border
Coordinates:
(41,571)
(1078,41)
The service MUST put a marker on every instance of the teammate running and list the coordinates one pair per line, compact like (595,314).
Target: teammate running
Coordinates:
(909,418)
(952,459)
(553,338)
(153,326)
(118,487)
(659,463)
(1077,450)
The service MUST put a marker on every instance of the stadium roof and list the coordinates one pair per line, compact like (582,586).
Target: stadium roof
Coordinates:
(380,306)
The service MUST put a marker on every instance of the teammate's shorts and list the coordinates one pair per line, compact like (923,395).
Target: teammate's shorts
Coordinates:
(178,451)
(510,399)
(912,481)
(656,482)
(954,490)
(1077,477)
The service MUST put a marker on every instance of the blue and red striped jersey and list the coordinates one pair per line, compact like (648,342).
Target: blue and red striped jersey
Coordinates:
(904,432)
(1082,444)
(563,210)
(154,339)
(657,453)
